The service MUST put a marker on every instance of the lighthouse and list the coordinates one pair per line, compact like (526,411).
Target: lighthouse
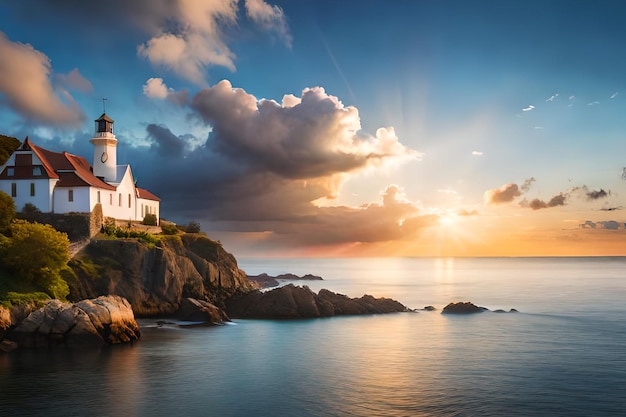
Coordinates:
(105,150)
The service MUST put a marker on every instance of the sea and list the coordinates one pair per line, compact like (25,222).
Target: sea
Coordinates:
(562,354)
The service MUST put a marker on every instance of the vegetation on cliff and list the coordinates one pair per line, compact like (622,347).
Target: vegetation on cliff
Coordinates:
(33,257)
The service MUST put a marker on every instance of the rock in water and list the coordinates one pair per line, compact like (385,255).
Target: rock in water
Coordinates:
(199,310)
(102,321)
(462,308)
(294,302)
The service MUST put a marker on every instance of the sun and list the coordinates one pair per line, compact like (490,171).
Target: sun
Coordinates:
(447,219)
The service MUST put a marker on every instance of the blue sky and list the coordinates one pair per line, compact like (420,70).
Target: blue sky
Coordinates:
(501,122)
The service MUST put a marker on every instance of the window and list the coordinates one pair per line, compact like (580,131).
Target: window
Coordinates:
(142,210)
(70,195)
(98,196)
(111,199)
(119,203)
(129,201)
(10,171)
(32,189)
(13,189)
(36,171)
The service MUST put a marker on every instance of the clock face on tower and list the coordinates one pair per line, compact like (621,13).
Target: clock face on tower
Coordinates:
(104,157)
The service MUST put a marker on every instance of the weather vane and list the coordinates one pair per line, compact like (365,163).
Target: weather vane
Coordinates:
(104,105)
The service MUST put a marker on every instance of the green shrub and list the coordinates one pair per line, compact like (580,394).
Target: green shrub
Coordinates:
(35,298)
(169,229)
(150,220)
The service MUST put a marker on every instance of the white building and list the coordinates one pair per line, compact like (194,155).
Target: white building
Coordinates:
(59,182)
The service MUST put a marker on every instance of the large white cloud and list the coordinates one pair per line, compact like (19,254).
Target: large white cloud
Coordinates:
(309,137)
(25,83)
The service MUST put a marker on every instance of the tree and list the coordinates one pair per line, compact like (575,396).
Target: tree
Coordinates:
(37,252)
(193,227)
(30,212)
(7,210)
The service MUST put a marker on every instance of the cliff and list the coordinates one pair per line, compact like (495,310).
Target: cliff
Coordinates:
(156,278)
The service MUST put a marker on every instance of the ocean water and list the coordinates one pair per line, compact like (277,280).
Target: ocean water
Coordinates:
(564,354)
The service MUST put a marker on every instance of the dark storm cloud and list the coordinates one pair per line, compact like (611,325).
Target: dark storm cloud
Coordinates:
(165,142)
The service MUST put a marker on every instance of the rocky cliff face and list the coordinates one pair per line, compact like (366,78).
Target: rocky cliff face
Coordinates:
(156,279)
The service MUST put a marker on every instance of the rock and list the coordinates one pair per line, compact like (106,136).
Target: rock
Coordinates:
(429,308)
(462,308)
(7,346)
(199,310)
(263,280)
(5,321)
(504,311)
(103,321)
(293,302)
(268,281)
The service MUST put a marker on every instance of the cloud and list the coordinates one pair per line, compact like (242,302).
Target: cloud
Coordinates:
(270,18)
(561,198)
(25,83)
(165,142)
(504,194)
(611,225)
(311,137)
(156,88)
(507,192)
(615,94)
(527,184)
(477,153)
(74,80)
(188,36)
(264,167)
(537,204)
(529,108)
(595,195)
(593,103)
(464,212)
(552,97)
(183,36)
(191,51)
(607,225)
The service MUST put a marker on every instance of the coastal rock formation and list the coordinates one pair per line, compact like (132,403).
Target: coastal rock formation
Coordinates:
(98,322)
(5,321)
(294,302)
(198,310)
(155,279)
(462,308)
(268,281)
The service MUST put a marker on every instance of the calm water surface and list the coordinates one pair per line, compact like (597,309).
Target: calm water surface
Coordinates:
(563,355)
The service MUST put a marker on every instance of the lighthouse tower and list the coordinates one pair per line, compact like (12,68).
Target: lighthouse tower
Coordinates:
(105,150)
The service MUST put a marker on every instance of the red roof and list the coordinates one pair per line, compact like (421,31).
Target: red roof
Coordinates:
(146,195)
(72,170)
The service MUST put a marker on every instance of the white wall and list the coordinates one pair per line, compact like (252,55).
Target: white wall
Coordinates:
(80,203)
(42,198)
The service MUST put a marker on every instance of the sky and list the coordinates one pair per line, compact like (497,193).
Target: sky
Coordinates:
(318,128)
